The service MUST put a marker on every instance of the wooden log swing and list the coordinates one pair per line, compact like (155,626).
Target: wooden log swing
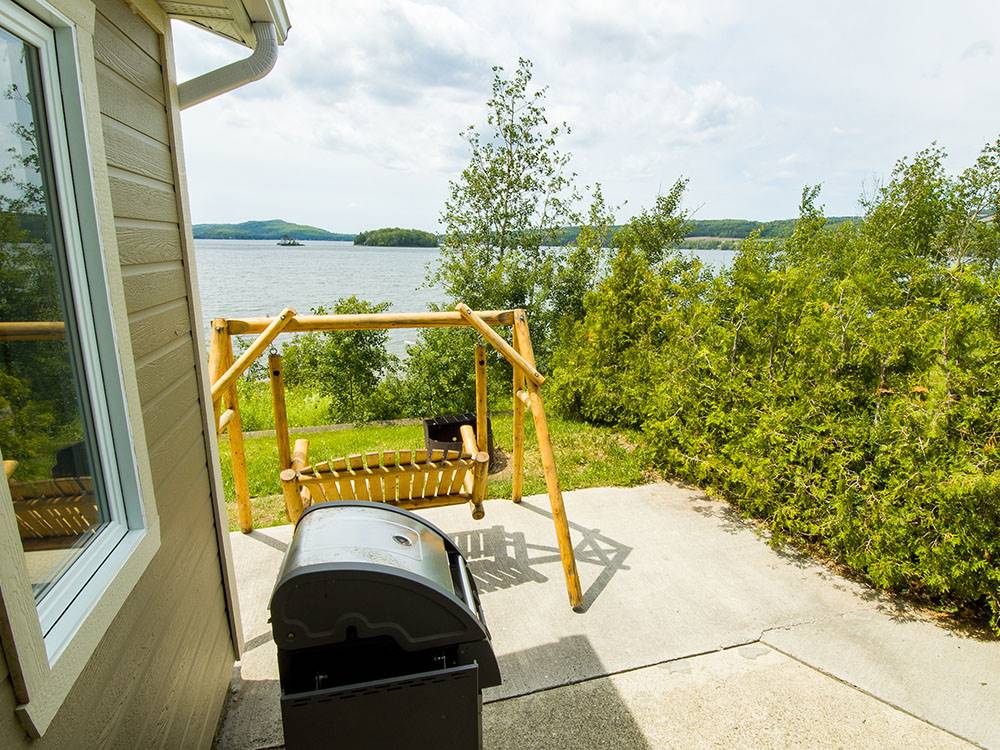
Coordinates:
(410,479)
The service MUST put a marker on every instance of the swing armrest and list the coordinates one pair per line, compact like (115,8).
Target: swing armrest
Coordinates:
(297,498)
(470,446)
(475,481)
(300,456)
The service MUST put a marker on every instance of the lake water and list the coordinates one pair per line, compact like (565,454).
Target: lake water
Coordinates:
(251,278)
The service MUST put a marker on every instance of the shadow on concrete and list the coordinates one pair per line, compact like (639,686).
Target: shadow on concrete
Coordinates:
(729,518)
(270,541)
(499,559)
(257,641)
(583,713)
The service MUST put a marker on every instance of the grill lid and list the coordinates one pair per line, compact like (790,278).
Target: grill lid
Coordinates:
(365,570)
(371,534)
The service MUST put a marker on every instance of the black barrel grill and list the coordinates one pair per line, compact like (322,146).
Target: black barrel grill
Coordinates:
(381,638)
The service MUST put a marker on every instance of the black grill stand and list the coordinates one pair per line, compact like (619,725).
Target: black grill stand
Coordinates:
(381,638)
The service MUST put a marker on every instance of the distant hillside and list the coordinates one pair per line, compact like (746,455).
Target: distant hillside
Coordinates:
(724,233)
(396,237)
(273,229)
(741,228)
(704,232)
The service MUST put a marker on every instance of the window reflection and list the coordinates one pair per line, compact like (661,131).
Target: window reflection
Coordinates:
(46,439)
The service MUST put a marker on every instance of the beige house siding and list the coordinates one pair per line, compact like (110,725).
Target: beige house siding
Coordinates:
(160,675)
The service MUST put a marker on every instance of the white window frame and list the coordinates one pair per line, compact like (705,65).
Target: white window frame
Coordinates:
(46,646)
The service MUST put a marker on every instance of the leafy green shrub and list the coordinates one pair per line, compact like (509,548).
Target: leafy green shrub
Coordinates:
(439,375)
(305,406)
(344,366)
(843,384)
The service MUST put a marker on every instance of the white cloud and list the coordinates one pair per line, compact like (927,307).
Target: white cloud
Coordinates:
(714,107)
(358,124)
(981,48)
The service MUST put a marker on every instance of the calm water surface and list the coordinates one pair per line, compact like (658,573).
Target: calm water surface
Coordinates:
(250,278)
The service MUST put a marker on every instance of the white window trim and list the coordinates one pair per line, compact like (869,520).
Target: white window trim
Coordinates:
(47,646)
(115,459)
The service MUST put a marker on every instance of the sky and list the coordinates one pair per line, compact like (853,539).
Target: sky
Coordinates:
(358,124)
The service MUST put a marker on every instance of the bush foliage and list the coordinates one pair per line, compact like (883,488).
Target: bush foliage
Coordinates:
(843,385)
(348,368)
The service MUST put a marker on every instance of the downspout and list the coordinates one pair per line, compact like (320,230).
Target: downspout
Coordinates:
(236,74)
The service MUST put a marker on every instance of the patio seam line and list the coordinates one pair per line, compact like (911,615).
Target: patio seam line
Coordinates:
(862,690)
(815,621)
(625,670)
(811,621)
(761,640)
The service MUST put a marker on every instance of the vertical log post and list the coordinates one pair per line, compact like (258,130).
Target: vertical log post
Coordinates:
(277,377)
(290,490)
(300,456)
(217,359)
(297,498)
(475,480)
(220,360)
(499,343)
(517,457)
(549,466)
(252,352)
(481,413)
(481,433)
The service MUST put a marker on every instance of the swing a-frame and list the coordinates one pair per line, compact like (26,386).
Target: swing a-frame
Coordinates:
(413,479)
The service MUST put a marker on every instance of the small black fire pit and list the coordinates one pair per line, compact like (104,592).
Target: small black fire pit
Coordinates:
(444,433)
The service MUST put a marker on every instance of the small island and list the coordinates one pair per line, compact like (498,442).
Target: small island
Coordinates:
(396,237)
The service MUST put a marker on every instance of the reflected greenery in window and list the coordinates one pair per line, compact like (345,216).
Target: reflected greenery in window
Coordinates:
(43,419)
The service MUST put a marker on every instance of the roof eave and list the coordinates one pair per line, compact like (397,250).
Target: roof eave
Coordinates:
(232,19)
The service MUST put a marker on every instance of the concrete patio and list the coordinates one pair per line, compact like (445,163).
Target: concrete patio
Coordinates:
(696,633)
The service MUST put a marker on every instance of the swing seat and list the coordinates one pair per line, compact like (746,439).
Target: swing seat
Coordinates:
(410,479)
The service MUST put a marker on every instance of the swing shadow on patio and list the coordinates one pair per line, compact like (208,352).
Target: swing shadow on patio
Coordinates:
(501,559)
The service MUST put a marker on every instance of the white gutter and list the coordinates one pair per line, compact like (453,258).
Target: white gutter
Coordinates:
(236,74)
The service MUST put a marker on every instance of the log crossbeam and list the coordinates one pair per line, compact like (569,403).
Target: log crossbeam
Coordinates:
(247,358)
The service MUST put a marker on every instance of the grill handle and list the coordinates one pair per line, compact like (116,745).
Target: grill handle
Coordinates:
(466,585)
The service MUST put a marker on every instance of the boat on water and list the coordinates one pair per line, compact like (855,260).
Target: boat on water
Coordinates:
(287,241)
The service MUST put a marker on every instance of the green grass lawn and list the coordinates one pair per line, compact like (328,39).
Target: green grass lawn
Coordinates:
(586,456)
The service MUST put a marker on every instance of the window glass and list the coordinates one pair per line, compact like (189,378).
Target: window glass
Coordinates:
(47,438)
